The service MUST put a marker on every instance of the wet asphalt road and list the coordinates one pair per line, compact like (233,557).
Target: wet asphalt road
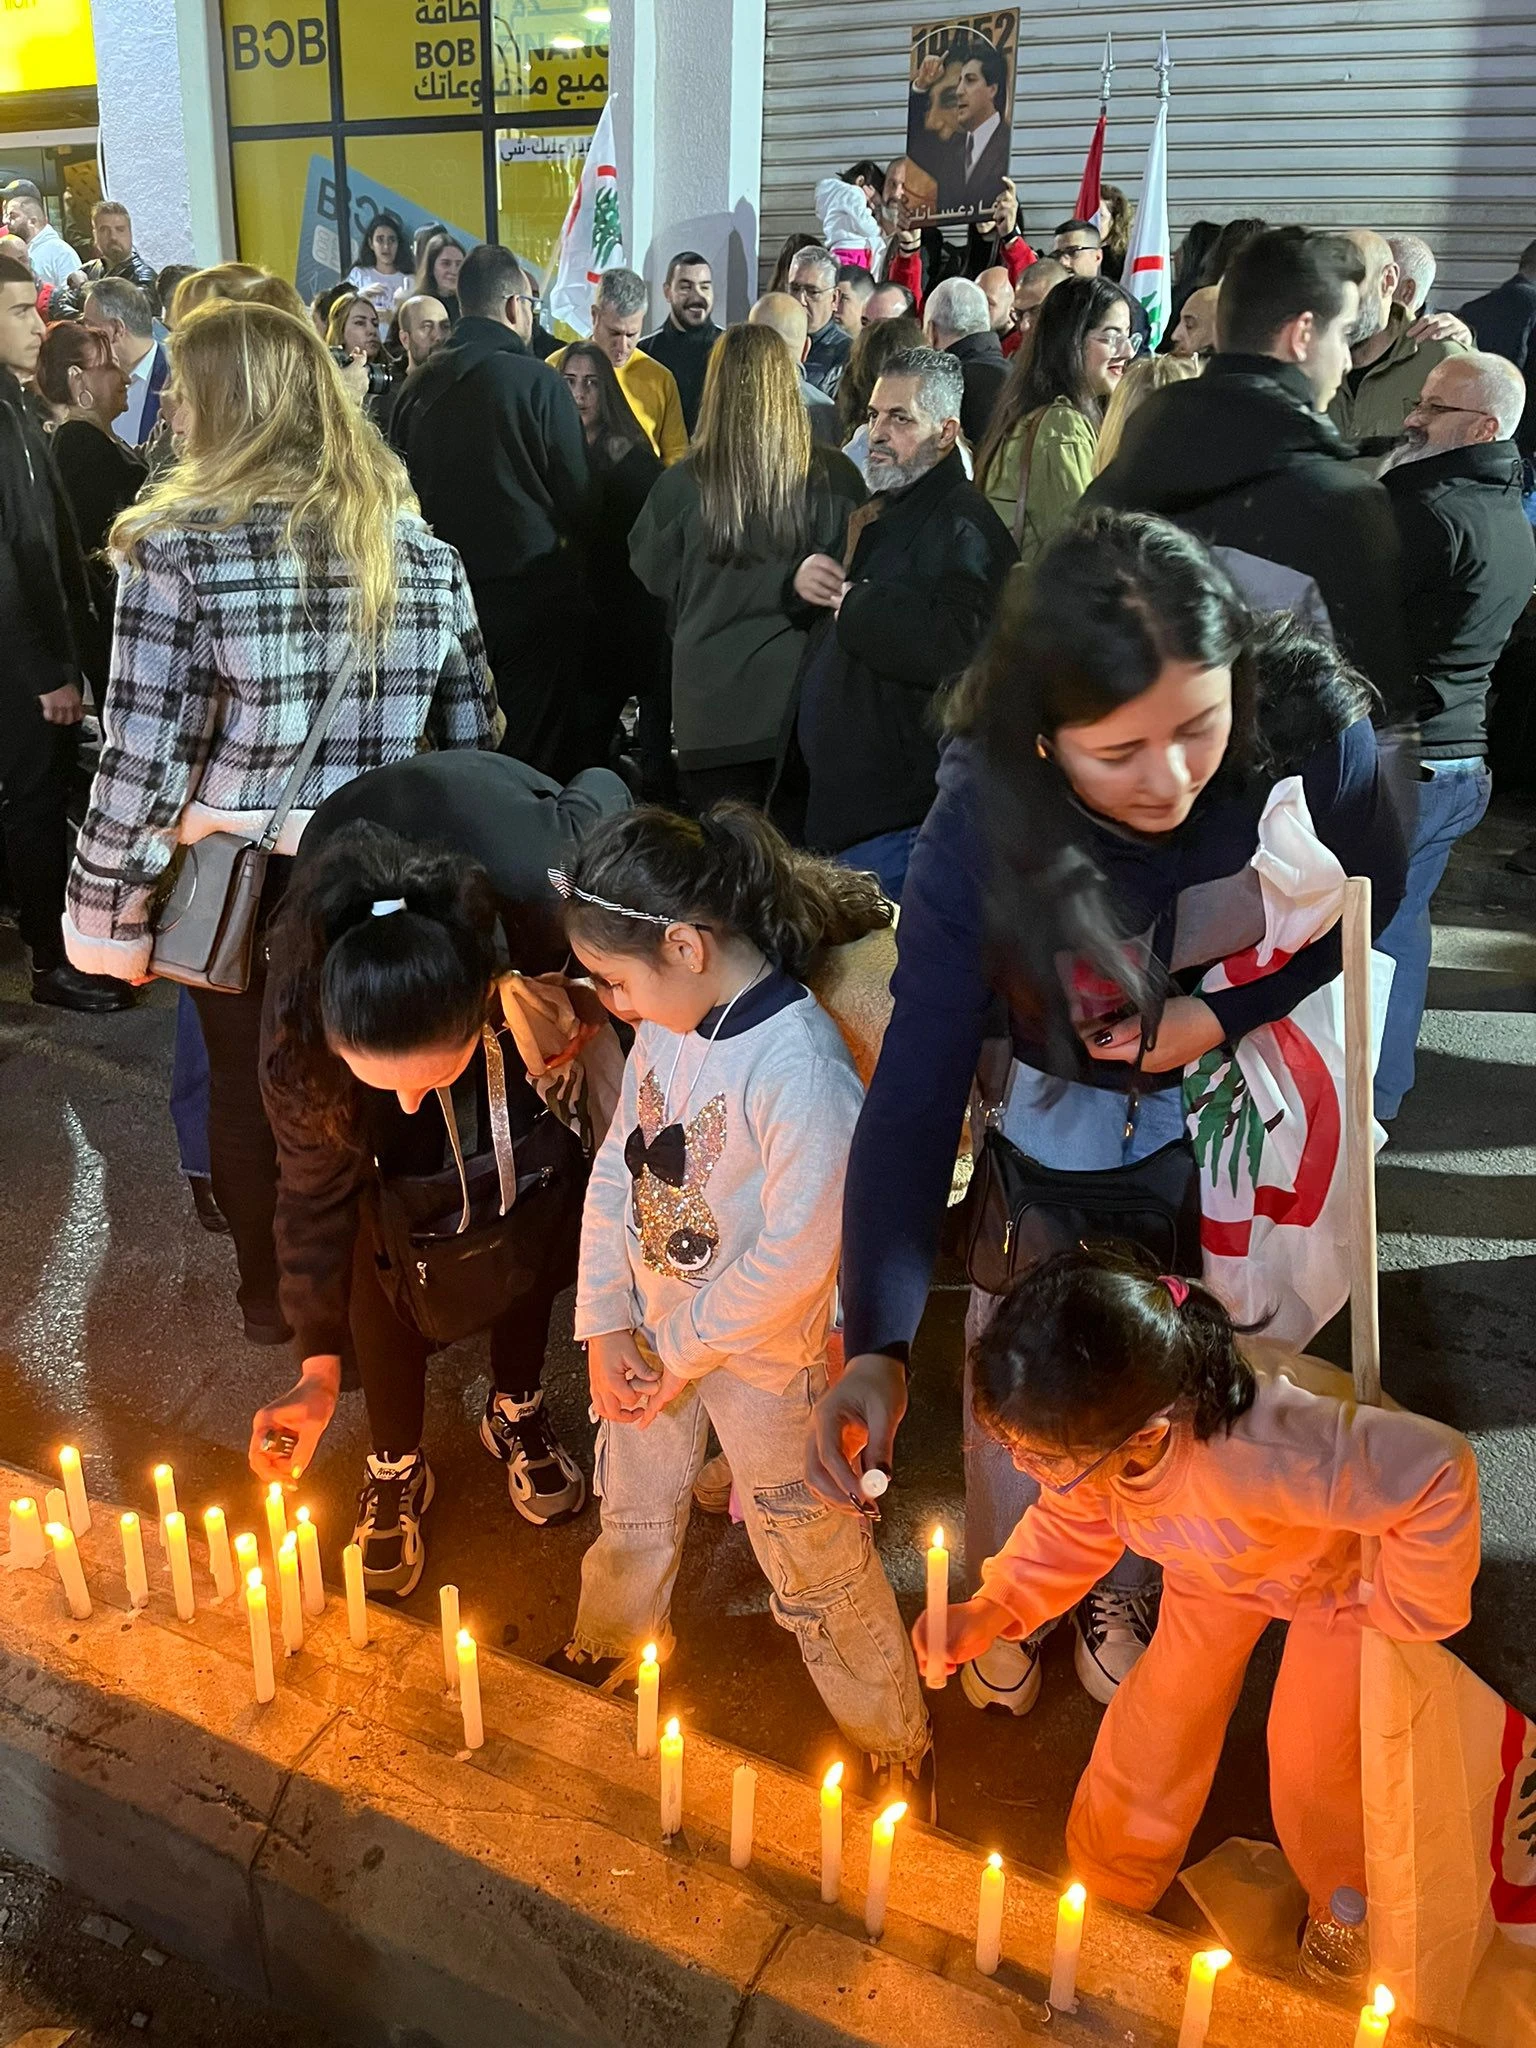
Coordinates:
(118,1331)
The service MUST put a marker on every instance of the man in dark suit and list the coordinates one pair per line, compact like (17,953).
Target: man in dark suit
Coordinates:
(971,165)
(125,314)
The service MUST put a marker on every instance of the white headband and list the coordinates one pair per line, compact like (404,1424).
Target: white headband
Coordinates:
(388,905)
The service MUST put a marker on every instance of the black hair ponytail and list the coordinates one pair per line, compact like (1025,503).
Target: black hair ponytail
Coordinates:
(1093,1343)
(386,982)
(729,869)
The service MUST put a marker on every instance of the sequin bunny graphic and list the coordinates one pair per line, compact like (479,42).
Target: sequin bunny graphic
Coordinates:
(670,1166)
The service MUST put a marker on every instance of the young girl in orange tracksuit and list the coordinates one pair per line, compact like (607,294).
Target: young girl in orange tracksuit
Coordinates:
(1253,1478)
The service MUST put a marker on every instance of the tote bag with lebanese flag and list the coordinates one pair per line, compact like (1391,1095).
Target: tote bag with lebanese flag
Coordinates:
(1267,1119)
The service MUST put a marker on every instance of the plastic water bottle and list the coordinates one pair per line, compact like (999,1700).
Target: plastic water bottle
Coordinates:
(1337,1948)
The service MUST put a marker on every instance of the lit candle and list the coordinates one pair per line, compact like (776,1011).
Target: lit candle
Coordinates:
(647,1697)
(67,1557)
(357,1604)
(56,1506)
(1069,1939)
(989,1917)
(247,1556)
(292,1606)
(448,1608)
(277,1521)
(832,1835)
(261,1638)
(671,1781)
(1375,2019)
(133,1562)
(165,1496)
(74,1489)
(28,1549)
(881,1841)
(309,1564)
(937,1672)
(743,1810)
(1204,1969)
(220,1563)
(181,1565)
(468,1659)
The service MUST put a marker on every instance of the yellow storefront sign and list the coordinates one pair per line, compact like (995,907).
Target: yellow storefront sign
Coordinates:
(46,45)
(276,62)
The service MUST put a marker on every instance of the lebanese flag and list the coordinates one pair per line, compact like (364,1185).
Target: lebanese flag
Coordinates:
(592,239)
(1089,197)
(1149,259)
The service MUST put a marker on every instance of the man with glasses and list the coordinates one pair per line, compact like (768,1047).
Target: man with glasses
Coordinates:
(1079,247)
(1469,564)
(496,454)
(813,281)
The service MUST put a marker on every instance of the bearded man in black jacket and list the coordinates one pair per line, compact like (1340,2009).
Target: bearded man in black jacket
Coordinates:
(1244,457)
(495,450)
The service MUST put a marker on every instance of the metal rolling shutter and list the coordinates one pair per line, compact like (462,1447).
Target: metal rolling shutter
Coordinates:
(1404,115)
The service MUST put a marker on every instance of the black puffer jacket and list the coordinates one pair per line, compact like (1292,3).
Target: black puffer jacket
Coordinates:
(48,623)
(1240,457)
(926,576)
(1469,562)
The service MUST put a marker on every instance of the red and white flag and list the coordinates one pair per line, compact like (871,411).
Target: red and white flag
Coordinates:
(1267,1118)
(592,239)
(1149,259)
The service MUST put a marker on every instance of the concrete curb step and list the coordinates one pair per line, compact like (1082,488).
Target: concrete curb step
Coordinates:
(337,1854)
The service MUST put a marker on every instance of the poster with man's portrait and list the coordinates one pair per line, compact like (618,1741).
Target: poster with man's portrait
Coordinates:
(960,115)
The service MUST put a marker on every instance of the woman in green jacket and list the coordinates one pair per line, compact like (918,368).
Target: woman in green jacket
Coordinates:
(1037,459)
(719,540)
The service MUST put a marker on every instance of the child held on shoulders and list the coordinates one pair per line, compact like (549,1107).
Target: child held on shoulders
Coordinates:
(710,1244)
(1252,1477)
(849,226)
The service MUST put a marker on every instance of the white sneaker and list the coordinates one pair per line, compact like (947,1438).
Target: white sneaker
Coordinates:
(1112,1627)
(1004,1679)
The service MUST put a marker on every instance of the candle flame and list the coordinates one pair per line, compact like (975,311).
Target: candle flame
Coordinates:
(275,1490)
(253,1579)
(68,1455)
(55,1532)
(938,1537)
(892,1814)
(176,1520)
(466,1640)
(1076,1896)
(162,1472)
(1214,1959)
(674,1731)
(994,1861)
(833,1779)
(1386,2004)
(130,1520)
(648,1654)
(302,1515)
(213,1514)
(24,1507)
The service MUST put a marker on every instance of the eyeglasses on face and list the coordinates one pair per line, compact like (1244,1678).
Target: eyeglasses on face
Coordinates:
(1433,409)
(1117,341)
(804,292)
(1044,1468)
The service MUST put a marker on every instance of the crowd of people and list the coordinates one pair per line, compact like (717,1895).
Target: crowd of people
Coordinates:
(597,707)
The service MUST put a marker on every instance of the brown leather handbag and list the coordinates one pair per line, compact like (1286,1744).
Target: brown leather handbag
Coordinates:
(205,923)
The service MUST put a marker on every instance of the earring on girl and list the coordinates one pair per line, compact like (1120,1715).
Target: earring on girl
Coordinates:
(1041,748)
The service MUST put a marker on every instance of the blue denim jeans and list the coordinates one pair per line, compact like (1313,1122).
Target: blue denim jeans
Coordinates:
(885,857)
(189,1090)
(1082,1130)
(1452,799)
(827,1585)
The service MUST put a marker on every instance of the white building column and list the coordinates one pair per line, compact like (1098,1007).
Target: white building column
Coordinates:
(688,75)
(160,88)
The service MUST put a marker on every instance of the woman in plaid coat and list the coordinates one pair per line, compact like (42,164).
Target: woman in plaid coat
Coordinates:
(284,539)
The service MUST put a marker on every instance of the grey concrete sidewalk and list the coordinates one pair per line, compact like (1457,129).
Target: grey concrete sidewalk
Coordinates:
(118,1331)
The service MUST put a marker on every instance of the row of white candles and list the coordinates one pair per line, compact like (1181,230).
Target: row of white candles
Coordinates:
(296,1560)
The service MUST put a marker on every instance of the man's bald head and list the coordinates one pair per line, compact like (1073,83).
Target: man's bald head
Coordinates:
(998,286)
(788,320)
(1380,287)
(887,302)
(421,326)
(1486,386)
(1196,329)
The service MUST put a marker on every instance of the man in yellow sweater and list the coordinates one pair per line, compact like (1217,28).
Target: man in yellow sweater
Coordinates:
(618,315)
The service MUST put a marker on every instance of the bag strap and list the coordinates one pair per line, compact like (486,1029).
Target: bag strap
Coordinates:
(324,718)
(1026,460)
(501,1130)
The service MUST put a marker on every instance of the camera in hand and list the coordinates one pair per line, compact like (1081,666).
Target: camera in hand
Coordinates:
(378,370)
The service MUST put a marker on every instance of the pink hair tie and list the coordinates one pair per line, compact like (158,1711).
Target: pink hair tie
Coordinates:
(1177,1288)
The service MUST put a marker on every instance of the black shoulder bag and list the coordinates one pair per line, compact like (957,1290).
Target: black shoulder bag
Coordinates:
(460,1247)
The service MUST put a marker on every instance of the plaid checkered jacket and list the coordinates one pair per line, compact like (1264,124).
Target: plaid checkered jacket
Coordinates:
(222,654)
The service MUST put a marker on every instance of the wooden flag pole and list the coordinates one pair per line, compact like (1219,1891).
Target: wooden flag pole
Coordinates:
(1359,1143)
